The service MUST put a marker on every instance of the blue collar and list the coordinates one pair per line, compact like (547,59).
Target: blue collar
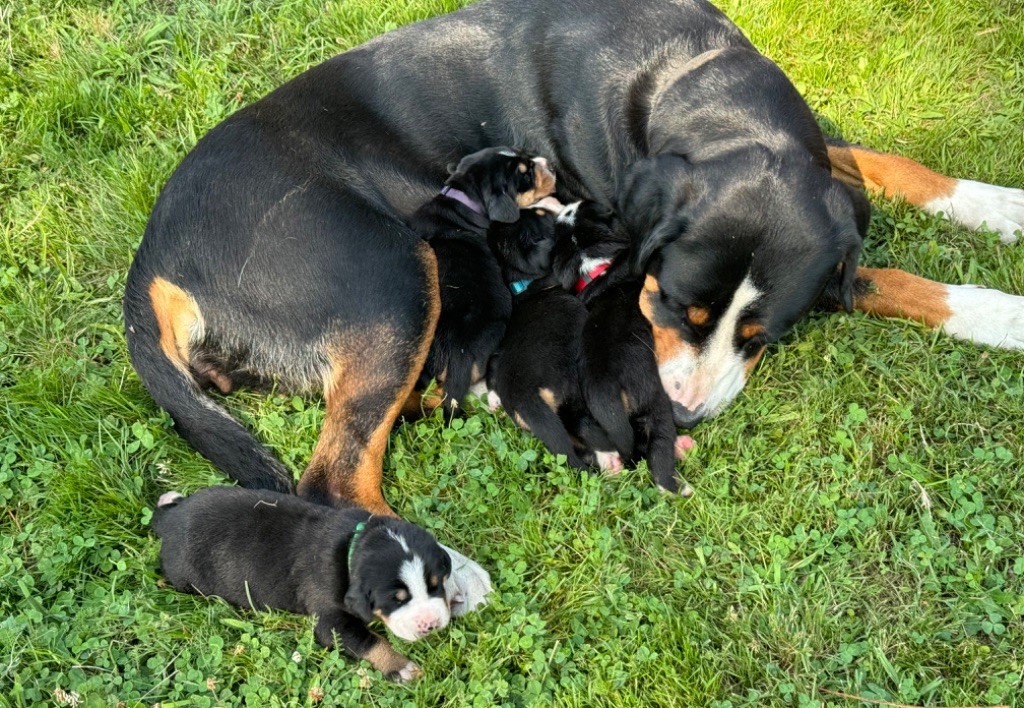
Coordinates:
(519,286)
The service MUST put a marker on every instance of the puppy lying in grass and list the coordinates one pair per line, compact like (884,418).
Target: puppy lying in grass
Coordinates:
(487,187)
(261,549)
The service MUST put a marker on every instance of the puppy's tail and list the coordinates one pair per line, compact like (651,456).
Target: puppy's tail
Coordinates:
(208,427)
(166,502)
(546,424)
(604,399)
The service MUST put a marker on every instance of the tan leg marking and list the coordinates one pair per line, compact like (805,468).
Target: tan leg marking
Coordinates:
(419,403)
(179,321)
(520,422)
(892,175)
(549,398)
(383,657)
(896,293)
(355,370)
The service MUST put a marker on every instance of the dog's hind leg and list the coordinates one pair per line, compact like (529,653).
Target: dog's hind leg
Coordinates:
(372,370)
(968,312)
(974,204)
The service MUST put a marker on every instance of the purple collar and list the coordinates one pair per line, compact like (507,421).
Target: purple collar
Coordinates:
(460,196)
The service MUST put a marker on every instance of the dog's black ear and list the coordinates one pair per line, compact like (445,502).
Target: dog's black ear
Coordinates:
(501,206)
(652,205)
(861,207)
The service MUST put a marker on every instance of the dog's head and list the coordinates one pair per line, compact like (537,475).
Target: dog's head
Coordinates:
(733,259)
(585,232)
(503,180)
(523,248)
(396,574)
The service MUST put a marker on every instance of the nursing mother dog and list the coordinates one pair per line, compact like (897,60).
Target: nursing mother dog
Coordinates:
(279,249)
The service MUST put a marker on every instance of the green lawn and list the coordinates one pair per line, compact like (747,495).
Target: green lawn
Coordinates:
(858,522)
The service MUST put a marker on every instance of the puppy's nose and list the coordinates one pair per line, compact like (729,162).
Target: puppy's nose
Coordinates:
(428,624)
(684,417)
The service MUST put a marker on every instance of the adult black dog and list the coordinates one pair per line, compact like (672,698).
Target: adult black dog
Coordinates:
(279,249)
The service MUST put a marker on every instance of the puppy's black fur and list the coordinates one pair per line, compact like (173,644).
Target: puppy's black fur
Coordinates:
(475,304)
(536,372)
(262,549)
(620,378)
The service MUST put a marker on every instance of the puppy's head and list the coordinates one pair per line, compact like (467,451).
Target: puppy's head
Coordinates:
(396,574)
(523,249)
(503,180)
(734,255)
(585,232)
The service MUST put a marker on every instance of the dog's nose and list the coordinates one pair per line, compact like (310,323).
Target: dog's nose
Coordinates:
(428,625)
(684,417)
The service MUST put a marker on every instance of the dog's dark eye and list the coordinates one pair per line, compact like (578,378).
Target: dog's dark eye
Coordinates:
(752,347)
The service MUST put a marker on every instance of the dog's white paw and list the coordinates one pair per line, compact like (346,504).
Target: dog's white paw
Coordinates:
(493,401)
(468,585)
(684,443)
(983,206)
(168,498)
(409,672)
(985,316)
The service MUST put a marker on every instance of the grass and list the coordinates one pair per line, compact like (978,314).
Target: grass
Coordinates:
(858,519)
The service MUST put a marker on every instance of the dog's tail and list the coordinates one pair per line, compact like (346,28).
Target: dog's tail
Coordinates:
(546,424)
(604,399)
(166,502)
(205,425)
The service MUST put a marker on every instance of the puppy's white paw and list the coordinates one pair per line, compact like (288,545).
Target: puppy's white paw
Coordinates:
(479,389)
(985,316)
(409,672)
(493,401)
(609,462)
(468,585)
(684,443)
(983,206)
(168,498)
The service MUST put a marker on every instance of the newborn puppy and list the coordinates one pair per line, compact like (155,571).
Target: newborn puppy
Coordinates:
(536,375)
(486,187)
(261,549)
(620,380)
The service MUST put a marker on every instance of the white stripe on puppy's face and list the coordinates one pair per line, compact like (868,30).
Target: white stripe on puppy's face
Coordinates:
(421,613)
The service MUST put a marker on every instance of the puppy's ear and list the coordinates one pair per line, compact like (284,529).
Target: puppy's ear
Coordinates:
(652,205)
(357,601)
(848,276)
(858,201)
(501,206)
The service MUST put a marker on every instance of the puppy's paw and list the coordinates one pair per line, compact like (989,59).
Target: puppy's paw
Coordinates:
(468,585)
(983,206)
(609,462)
(684,443)
(410,672)
(493,401)
(679,487)
(985,316)
(168,498)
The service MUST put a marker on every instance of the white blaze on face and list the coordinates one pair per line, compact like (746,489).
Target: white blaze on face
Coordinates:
(421,614)
(707,380)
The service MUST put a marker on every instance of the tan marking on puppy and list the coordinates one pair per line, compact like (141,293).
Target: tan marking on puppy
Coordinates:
(476,373)
(624,397)
(401,595)
(890,174)
(208,373)
(383,657)
(543,186)
(549,398)
(667,342)
(520,422)
(750,330)
(419,403)
(178,319)
(651,284)
(896,293)
(698,315)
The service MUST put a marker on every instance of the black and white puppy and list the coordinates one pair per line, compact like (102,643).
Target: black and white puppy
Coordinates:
(535,375)
(620,380)
(261,549)
(489,186)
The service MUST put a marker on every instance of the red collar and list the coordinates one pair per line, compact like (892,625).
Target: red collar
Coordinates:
(592,275)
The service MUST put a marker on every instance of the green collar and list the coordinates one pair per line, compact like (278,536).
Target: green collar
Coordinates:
(352,544)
